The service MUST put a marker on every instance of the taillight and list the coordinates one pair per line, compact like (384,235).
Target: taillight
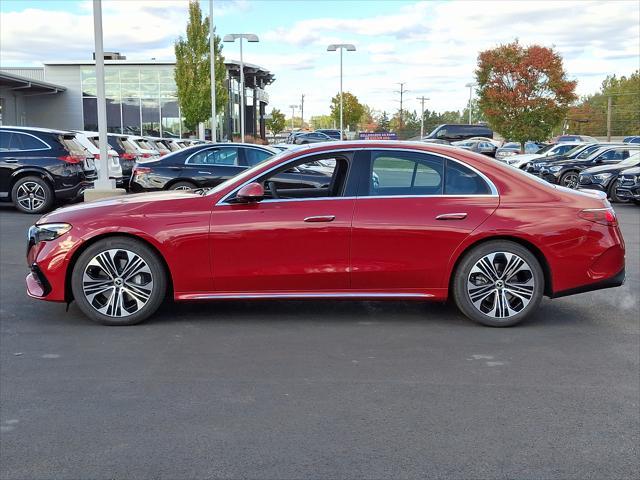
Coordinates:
(603,216)
(141,170)
(163,153)
(128,156)
(72,158)
(144,155)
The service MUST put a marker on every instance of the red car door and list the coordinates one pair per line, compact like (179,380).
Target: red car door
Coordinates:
(417,209)
(296,240)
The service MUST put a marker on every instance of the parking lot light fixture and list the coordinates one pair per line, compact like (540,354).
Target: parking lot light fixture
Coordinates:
(470,86)
(349,48)
(293,113)
(249,37)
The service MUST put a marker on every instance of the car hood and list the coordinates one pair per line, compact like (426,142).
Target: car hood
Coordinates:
(604,168)
(568,163)
(124,202)
(526,157)
(631,171)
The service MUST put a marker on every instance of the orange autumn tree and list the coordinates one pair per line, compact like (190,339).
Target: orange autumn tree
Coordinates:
(523,91)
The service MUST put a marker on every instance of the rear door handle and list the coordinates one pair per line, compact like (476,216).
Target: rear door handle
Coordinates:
(11,160)
(452,216)
(320,218)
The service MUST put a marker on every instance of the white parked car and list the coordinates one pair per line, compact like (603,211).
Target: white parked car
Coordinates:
(519,161)
(90,142)
(143,150)
(159,144)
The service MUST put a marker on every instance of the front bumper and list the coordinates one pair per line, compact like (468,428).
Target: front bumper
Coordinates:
(628,193)
(593,186)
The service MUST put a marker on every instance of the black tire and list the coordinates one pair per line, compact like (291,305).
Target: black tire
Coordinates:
(463,273)
(106,246)
(39,195)
(183,185)
(613,196)
(571,175)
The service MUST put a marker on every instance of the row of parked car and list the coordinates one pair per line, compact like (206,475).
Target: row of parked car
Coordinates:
(41,167)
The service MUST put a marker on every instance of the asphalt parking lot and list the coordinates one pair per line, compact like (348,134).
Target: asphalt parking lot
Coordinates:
(319,389)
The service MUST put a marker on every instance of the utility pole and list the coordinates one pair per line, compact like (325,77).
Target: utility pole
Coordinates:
(293,114)
(609,118)
(422,100)
(212,53)
(302,111)
(402,91)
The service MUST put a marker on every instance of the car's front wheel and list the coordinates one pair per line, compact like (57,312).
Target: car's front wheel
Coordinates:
(498,283)
(613,196)
(118,281)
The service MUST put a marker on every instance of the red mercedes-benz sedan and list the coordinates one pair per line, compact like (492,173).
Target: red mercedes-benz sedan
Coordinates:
(382,220)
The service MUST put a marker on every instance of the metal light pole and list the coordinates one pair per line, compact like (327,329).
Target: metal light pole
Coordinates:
(349,48)
(249,37)
(212,52)
(470,86)
(422,100)
(103,181)
(293,113)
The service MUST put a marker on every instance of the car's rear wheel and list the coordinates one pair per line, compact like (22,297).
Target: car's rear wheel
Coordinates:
(498,283)
(32,195)
(118,281)
(182,185)
(569,180)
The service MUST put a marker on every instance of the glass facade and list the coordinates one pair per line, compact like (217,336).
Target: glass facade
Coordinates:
(141,100)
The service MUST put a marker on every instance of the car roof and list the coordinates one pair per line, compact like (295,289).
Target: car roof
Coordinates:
(36,129)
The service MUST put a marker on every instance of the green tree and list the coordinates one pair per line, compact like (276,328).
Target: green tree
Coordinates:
(589,116)
(352,109)
(384,124)
(277,122)
(476,114)
(523,91)
(321,121)
(192,71)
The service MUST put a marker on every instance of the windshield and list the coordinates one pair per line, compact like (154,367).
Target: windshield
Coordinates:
(587,151)
(545,149)
(632,161)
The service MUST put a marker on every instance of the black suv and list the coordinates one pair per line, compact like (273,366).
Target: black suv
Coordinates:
(566,172)
(605,177)
(454,132)
(39,167)
(629,185)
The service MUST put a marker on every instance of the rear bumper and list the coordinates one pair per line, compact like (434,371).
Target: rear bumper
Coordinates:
(74,192)
(615,281)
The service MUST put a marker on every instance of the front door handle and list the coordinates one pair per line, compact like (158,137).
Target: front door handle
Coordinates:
(452,216)
(320,218)
(11,160)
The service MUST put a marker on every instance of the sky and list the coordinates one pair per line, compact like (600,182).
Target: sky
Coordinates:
(431,47)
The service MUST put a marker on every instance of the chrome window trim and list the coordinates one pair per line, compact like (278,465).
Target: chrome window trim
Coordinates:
(29,149)
(492,187)
(254,147)
(212,147)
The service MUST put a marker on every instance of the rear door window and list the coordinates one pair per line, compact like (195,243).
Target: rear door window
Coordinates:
(253,156)
(5,141)
(405,173)
(21,141)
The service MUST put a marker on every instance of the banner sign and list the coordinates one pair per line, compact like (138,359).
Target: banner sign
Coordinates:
(378,136)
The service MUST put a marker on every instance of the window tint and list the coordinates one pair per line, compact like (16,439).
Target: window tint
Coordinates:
(318,177)
(20,141)
(254,156)
(217,156)
(587,151)
(461,180)
(405,173)
(5,139)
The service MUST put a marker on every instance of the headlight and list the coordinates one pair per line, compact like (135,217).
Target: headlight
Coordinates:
(47,231)
(511,161)
(506,153)
(602,177)
(556,168)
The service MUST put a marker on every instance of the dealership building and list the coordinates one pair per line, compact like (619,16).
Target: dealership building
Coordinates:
(141,97)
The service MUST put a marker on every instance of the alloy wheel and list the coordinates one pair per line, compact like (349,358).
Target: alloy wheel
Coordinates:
(500,285)
(31,196)
(117,282)
(571,180)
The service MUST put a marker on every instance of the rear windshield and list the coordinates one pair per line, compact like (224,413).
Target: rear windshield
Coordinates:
(72,145)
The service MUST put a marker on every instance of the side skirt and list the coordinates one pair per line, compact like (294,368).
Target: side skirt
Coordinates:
(363,295)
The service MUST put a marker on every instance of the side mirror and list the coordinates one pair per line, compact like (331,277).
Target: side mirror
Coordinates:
(250,193)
